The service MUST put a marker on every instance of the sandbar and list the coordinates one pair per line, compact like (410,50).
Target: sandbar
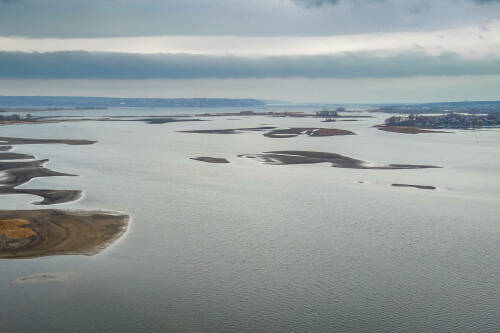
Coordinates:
(314,132)
(422,187)
(336,160)
(210,159)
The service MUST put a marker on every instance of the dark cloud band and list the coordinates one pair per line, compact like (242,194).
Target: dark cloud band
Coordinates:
(135,66)
(319,3)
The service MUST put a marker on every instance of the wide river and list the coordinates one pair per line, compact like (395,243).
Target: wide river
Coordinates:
(247,246)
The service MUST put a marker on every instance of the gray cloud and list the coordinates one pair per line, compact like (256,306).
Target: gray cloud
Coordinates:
(121,18)
(319,3)
(316,3)
(84,65)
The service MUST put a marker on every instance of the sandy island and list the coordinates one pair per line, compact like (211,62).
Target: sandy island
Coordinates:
(37,233)
(336,160)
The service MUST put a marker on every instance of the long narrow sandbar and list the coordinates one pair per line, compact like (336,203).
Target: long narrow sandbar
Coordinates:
(421,187)
(27,141)
(336,160)
(210,159)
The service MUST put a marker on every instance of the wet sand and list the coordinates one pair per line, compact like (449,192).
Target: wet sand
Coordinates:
(422,187)
(336,160)
(37,233)
(406,130)
(210,159)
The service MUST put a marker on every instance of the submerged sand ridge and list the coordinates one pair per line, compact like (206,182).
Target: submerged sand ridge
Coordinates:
(36,233)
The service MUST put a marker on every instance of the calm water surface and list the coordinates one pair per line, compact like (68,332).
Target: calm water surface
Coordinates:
(248,246)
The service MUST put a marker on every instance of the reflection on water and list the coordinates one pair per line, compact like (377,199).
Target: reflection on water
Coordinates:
(244,245)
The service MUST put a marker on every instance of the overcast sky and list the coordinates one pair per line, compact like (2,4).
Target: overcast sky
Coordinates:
(299,50)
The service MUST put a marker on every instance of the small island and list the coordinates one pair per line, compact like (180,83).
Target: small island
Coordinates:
(37,233)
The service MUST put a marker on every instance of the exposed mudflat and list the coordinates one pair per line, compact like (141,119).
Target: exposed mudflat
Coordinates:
(336,160)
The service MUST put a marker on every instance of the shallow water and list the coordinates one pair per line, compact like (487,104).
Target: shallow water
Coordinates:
(249,246)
